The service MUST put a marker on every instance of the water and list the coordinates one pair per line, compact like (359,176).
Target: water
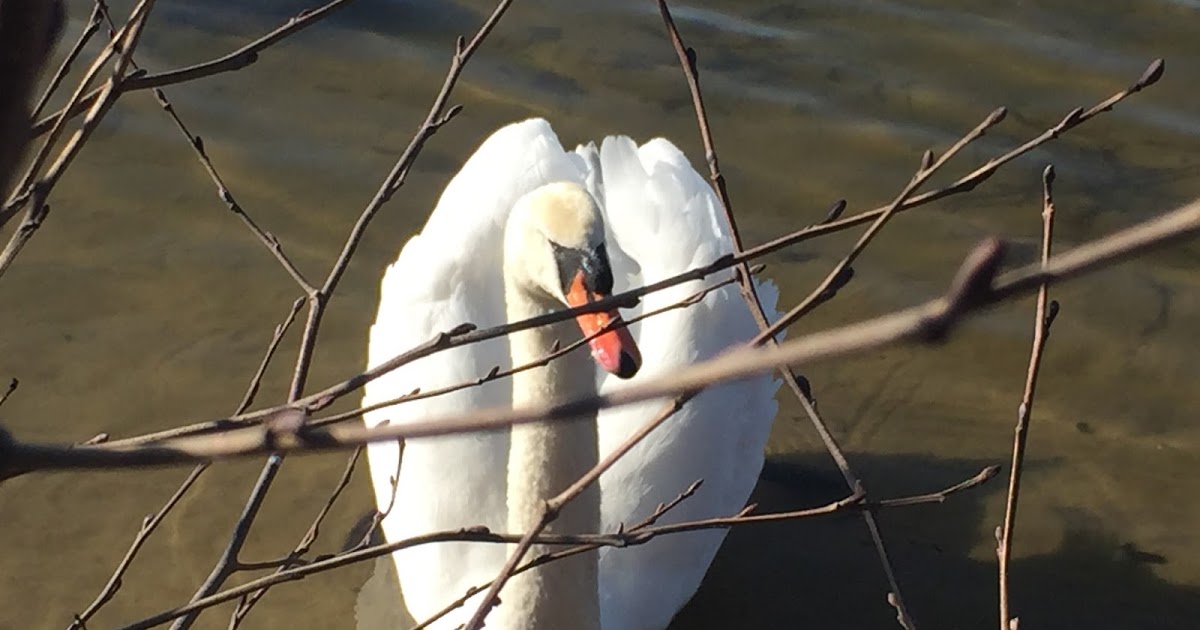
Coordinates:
(142,303)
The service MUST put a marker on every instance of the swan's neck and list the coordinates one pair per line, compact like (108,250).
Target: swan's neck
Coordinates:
(545,458)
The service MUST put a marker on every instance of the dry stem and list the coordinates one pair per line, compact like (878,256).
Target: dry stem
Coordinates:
(230,62)
(1046,312)
(284,428)
(28,30)
(974,288)
(638,534)
(37,189)
(8,391)
(466,333)
(318,298)
(833,282)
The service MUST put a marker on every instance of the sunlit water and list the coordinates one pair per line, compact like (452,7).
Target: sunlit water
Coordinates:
(142,303)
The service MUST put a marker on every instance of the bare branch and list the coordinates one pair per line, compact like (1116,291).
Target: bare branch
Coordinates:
(93,25)
(149,524)
(973,289)
(1044,317)
(235,60)
(28,30)
(466,333)
(495,373)
(256,380)
(644,531)
(639,533)
(833,282)
(126,41)
(266,238)
(293,558)
(317,301)
(12,387)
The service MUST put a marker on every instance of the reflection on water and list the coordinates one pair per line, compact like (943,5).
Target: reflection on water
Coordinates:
(142,303)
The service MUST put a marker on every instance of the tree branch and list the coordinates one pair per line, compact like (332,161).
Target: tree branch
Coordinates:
(974,288)
(466,333)
(235,60)
(638,534)
(319,298)
(1046,312)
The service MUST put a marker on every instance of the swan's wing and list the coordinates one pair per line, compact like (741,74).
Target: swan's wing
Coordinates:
(449,274)
(664,215)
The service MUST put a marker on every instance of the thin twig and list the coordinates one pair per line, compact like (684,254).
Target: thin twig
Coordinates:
(825,290)
(638,534)
(659,512)
(256,381)
(496,373)
(197,145)
(466,333)
(149,524)
(929,166)
(318,299)
(28,32)
(303,547)
(644,531)
(12,387)
(268,239)
(23,190)
(379,515)
(1046,312)
(974,288)
(93,25)
(125,41)
(235,60)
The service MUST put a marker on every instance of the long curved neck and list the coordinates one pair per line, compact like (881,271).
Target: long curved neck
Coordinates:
(545,458)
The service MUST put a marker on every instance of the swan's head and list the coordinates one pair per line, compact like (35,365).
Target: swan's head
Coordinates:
(554,253)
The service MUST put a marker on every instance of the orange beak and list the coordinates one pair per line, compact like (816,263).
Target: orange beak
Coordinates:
(613,349)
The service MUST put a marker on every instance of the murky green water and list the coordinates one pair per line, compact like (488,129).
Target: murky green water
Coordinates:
(142,303)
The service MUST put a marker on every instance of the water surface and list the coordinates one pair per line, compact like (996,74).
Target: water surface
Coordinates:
(142,303)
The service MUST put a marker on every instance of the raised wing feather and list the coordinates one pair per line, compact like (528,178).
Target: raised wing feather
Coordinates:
(665,216)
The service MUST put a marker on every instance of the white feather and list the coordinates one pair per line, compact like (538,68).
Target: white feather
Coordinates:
(662,218)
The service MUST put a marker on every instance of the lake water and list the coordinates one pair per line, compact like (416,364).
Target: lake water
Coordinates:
(142,303)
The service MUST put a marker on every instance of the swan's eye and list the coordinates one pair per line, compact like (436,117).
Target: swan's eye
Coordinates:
(593,264)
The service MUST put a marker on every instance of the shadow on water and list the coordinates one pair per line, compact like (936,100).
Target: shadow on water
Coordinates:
(824,572)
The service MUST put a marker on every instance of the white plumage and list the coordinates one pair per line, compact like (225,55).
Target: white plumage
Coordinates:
(662,218)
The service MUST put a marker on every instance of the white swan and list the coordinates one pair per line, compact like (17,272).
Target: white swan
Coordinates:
(658,217)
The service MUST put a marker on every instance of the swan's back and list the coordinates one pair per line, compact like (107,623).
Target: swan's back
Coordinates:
(662,219)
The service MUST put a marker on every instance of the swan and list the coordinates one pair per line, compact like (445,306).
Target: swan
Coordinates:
(527,227)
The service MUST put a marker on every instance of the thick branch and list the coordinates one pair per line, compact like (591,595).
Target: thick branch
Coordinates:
(466,333)
(972,290)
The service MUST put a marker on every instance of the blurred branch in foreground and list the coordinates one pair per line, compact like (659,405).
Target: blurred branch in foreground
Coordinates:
(467,333)
(28,31)
(974,288)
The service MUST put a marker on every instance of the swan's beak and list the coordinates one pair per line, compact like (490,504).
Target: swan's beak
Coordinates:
(614,349)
